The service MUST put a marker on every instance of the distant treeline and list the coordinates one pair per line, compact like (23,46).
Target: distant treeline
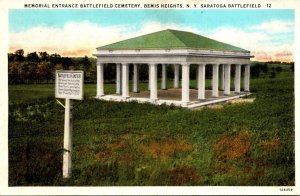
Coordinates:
(269,69)
(40,67)
(279,62)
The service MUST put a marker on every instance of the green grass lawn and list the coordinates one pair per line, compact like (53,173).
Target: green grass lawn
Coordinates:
(142,144)
(21,93)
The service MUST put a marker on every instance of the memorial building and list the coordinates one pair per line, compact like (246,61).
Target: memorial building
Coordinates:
(181,50)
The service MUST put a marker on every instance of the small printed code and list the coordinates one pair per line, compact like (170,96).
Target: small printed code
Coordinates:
(286,189)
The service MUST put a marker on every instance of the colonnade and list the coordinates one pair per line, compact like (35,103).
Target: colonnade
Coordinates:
(122,79)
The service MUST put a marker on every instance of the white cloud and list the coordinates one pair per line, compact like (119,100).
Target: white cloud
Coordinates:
(262,45)
(274,27)
(73,38)
(79,38)
(239,37)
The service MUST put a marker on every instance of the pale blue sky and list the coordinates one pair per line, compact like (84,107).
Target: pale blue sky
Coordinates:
(22,19)
(269,34)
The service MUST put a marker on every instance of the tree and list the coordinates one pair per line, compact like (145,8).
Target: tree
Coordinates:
(23,69)
(58,66)
(93,71)
(11,57)
(13,76)
(66,62)
(85,66)
(55,58)
(44,56)
(86,63)
(32,72)
(41,66)
(32,57)
(264,67)
(43,71)
(50,71)
(19,55)
(255,70)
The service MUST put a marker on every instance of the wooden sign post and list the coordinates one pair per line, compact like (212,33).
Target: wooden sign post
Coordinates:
(68,85)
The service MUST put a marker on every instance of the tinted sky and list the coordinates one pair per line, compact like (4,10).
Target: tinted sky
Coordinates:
(269,34)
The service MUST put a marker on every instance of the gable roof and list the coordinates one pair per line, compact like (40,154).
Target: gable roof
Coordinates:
(168,39)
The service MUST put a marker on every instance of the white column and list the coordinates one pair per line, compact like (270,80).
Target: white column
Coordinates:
(215,80)
(185,85)
(149,78)
(68,128)
(153,81)
(227,80)
(119,79)
(237,79)
(247,78)
(222,76)
(135,78)
(164,77)
(100,79)
(176,76)
(125,80)
(201,81)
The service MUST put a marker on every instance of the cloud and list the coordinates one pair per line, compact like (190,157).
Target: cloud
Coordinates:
(75,38)
(239,37)
(82,38)
(262,45)
(274,27)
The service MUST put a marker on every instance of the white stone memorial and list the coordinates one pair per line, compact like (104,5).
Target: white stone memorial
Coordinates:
(178,49)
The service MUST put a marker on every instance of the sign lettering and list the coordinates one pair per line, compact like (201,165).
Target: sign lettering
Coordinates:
(69,84)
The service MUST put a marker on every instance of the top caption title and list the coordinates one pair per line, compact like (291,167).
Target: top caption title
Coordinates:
(146,6)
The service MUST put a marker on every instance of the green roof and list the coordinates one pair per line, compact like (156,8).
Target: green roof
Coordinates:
(168,39)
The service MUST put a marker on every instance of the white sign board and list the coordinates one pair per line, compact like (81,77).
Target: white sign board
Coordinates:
(69,84)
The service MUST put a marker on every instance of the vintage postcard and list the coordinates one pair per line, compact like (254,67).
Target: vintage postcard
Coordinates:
(149,97)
